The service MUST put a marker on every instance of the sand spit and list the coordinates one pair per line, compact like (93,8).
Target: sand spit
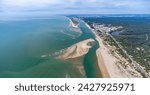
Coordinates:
(77,50)
(74,27)
(73,24)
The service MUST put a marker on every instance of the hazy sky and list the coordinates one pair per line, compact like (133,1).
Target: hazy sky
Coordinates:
(76,6)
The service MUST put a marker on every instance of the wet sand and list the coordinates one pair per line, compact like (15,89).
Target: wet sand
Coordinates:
(74,27)
(77,50)
(75,54)
(101,64)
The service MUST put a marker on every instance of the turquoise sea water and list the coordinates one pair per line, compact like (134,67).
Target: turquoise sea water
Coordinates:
(23,42)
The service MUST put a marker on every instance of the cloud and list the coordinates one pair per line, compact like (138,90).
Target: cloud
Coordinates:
(26,4)
(75,6)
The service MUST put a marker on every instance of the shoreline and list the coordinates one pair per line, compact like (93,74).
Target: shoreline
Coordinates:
(106,61)
(101,64)
(77,50)
(75,54)
(100,59)
(72,23)
(74,27)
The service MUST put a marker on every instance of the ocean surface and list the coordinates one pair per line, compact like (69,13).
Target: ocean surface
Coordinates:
(27,46)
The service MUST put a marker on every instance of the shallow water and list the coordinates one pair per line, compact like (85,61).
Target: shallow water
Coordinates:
(24,41)
(90,60)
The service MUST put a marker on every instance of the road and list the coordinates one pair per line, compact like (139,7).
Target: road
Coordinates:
(133,62)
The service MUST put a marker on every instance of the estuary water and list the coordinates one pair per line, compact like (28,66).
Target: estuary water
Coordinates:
(27,46)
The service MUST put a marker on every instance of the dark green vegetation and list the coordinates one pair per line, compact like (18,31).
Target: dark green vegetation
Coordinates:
(134,37)
(111,42)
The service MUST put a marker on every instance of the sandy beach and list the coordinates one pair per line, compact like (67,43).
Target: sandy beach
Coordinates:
(75,54)
(107,62)
(77,50)
(74,27)
(101,64)
(72,24)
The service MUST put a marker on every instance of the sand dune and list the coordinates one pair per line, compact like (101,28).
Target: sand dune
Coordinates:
(77,50)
